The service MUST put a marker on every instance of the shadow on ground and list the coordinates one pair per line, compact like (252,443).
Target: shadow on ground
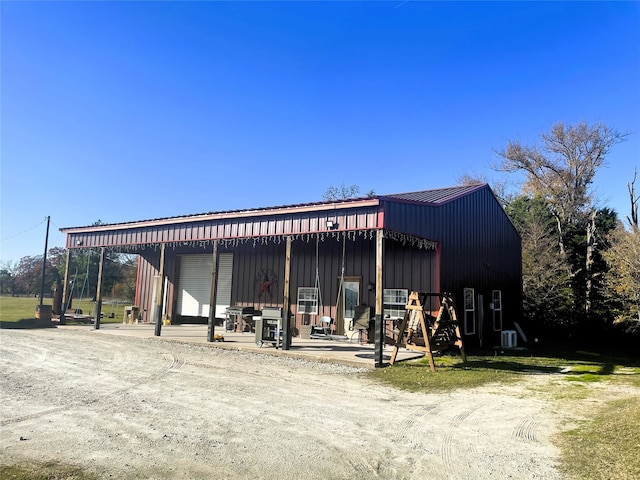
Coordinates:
(25,323)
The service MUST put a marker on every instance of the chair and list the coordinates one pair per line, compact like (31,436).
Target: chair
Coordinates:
(361,320)
(324,328)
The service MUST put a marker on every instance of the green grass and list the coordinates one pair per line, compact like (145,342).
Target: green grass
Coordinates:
(19,312)
(606,447)
(44,471)
(491,367)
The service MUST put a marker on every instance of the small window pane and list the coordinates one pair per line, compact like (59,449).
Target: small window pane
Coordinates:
(308,300)
(395,300)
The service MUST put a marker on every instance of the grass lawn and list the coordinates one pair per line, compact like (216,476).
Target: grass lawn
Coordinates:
(603,447)
(45,471)
(19,312)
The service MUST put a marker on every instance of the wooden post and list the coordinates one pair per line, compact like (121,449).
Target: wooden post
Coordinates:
(379,320)
(211,329)
(158,318)
(96,323)
(286,328)
(65,288)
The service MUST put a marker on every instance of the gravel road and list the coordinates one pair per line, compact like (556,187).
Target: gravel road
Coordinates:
(144,408)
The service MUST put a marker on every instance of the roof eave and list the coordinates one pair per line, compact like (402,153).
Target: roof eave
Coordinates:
(290,209)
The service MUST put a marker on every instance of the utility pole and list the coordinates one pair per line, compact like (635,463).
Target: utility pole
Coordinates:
(44,260)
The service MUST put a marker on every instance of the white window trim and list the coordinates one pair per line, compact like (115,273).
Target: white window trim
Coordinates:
(308,300)
(497,312)
(397,308)
(469,312)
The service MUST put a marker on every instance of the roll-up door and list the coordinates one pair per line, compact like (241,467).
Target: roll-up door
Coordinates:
(195,284)
(223,290)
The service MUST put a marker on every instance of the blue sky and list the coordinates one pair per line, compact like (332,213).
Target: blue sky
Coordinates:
(125,111)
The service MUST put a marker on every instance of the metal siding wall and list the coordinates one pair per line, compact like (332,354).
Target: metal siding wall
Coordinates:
(149,268)
(473,232)
(249,263)
(303,222)
(147,271)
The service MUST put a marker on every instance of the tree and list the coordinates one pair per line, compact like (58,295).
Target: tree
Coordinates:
(561,169)
(28,275)
(623,277)
(344,192)
(499,187)
(7,278)
(633,219)
(547,293)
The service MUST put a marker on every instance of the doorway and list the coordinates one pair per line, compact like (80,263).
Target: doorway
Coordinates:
(347,304)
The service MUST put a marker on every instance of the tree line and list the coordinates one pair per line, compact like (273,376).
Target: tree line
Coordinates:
(580,261)
(25,276)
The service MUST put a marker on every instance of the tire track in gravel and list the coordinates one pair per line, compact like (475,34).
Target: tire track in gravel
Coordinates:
(171,363)
(527,429)
(365,469)
(413,427)
(470,453)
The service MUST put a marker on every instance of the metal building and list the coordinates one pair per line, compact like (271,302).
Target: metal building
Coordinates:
(326,258)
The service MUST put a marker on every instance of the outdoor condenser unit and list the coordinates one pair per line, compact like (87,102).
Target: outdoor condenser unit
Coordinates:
(509,339)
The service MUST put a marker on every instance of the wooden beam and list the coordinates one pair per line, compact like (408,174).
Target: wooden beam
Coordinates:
(160,296)
(65,288)
(214,293)
(286,328)
(379,335)
(96,323)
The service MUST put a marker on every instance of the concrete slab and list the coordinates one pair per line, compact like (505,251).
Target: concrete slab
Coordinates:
(344,352)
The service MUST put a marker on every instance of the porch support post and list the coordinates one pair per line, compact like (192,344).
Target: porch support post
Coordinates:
(65,288)
(160,294)
(379,320)
(286,327)
(212,297)
(96,323)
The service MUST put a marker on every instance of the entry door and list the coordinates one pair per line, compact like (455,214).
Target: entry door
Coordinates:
(350,298)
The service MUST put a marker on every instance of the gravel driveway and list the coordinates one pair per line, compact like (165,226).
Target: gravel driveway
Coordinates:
(138,408)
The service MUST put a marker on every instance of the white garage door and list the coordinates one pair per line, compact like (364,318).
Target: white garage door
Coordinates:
(195,284)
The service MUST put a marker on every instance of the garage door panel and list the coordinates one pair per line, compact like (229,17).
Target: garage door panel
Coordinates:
(195,284)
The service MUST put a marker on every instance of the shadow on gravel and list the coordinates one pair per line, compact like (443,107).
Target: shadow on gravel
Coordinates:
(25,324)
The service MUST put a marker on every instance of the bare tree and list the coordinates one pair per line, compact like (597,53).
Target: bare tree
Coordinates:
(499,187)
(633,219)
(562,167)
(344,192)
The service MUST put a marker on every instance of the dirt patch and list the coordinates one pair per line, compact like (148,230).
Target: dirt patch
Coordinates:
(146,408)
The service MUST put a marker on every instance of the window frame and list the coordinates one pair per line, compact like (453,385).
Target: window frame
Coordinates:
(469,319)
(307,300)
(397,306)
(497,312)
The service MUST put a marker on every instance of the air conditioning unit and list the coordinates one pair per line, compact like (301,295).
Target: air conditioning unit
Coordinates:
(509,339)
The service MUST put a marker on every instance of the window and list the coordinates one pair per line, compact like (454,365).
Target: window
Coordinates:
(395,302)
(469,312)
(308,300)
(496,299)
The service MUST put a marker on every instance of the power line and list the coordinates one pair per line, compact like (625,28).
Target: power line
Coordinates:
(24,231)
